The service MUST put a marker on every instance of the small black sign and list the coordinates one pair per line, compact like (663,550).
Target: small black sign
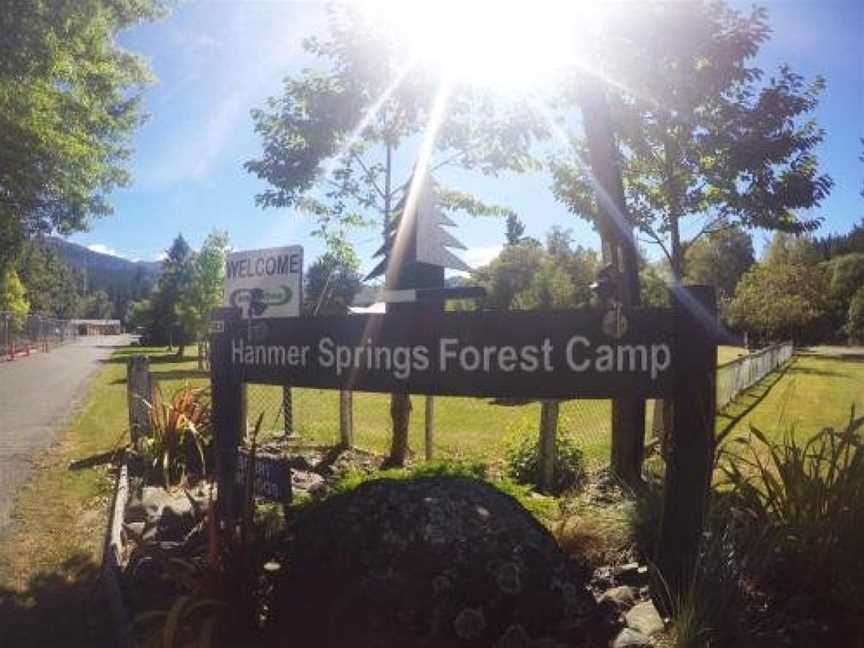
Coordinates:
(528,354)
(272,475)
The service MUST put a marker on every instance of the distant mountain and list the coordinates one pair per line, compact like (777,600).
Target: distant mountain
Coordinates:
(84,258)
(121,279)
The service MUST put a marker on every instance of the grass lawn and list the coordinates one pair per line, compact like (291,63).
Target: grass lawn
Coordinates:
(50,556)
(466,427)
(52,552)
(814,391)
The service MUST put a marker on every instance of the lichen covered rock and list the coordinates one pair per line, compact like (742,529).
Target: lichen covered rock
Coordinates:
(433,561)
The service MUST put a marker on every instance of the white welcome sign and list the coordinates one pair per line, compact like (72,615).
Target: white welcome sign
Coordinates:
(265,283)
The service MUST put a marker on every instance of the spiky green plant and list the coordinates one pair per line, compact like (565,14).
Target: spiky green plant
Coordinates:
(811,495)
(715,609)
(179,434)
(220,582)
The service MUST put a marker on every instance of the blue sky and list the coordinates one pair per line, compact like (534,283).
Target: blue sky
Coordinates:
(216,60)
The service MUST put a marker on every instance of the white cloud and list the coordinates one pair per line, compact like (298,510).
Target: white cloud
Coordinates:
(480,255)
(104,249)
(475,256)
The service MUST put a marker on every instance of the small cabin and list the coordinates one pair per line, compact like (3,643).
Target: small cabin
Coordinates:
(97,327)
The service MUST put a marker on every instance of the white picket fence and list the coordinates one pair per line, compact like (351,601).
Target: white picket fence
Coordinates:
(741,374)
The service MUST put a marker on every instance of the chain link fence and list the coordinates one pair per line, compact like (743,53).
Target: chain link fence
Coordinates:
(739,375)
(472,428)
(20,335)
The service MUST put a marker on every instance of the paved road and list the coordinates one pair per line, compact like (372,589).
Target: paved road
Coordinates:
(37,396)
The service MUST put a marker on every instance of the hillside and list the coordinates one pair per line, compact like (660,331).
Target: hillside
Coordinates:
(83,258)
(121,279)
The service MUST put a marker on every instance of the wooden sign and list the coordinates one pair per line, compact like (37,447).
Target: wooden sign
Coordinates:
(272,480)
(527,354)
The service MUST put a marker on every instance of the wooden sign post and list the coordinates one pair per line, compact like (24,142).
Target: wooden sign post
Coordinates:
(536,355)
(690,461)
(228,418)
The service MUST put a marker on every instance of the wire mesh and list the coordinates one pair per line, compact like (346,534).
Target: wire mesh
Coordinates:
(33,332)
(471,428)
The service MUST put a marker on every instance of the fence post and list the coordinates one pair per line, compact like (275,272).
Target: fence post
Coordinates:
(429,425)
(346,418)
(228,421)
(288,410)
(691,456)
(548,438)
(139,388)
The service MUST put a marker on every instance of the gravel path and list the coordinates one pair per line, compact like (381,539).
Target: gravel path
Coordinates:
(37,396)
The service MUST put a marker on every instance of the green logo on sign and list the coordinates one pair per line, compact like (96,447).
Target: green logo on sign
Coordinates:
(258,300)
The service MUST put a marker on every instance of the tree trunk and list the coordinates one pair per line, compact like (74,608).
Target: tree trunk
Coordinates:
(429,422)
(346,419)
(400,412)
(548,444)
(628,414)
(676,250)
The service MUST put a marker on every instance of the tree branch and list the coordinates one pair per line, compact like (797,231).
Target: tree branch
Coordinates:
(446,161)
(656,240)
(363,200)
(369,176)
(709,229)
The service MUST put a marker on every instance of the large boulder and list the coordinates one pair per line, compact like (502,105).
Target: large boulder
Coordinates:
(433,561)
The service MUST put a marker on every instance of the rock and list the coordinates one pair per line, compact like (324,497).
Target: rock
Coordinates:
(170,512)
(621,597)
(433,561)
(644,618)
(603,578)
(629,638)
(308,482)
(630,574)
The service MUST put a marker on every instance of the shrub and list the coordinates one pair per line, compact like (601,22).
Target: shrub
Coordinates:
(715,608)
(523,463)
(179,435)
(811,495)
(543,508)
(855,320)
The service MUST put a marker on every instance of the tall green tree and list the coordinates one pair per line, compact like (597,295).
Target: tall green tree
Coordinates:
(833,245)
(69,102)
(847,276)
(720,259)
(705,139)
(97,305)
(527,276)
(177,275)
(783,300)
(789,248)
(515,230)
(14,306)
(855,318)
(332,282)
(333,140)
(203,290)
(53,287)
(508,276)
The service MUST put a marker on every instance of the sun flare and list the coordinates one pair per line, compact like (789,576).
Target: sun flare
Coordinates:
(503,43)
